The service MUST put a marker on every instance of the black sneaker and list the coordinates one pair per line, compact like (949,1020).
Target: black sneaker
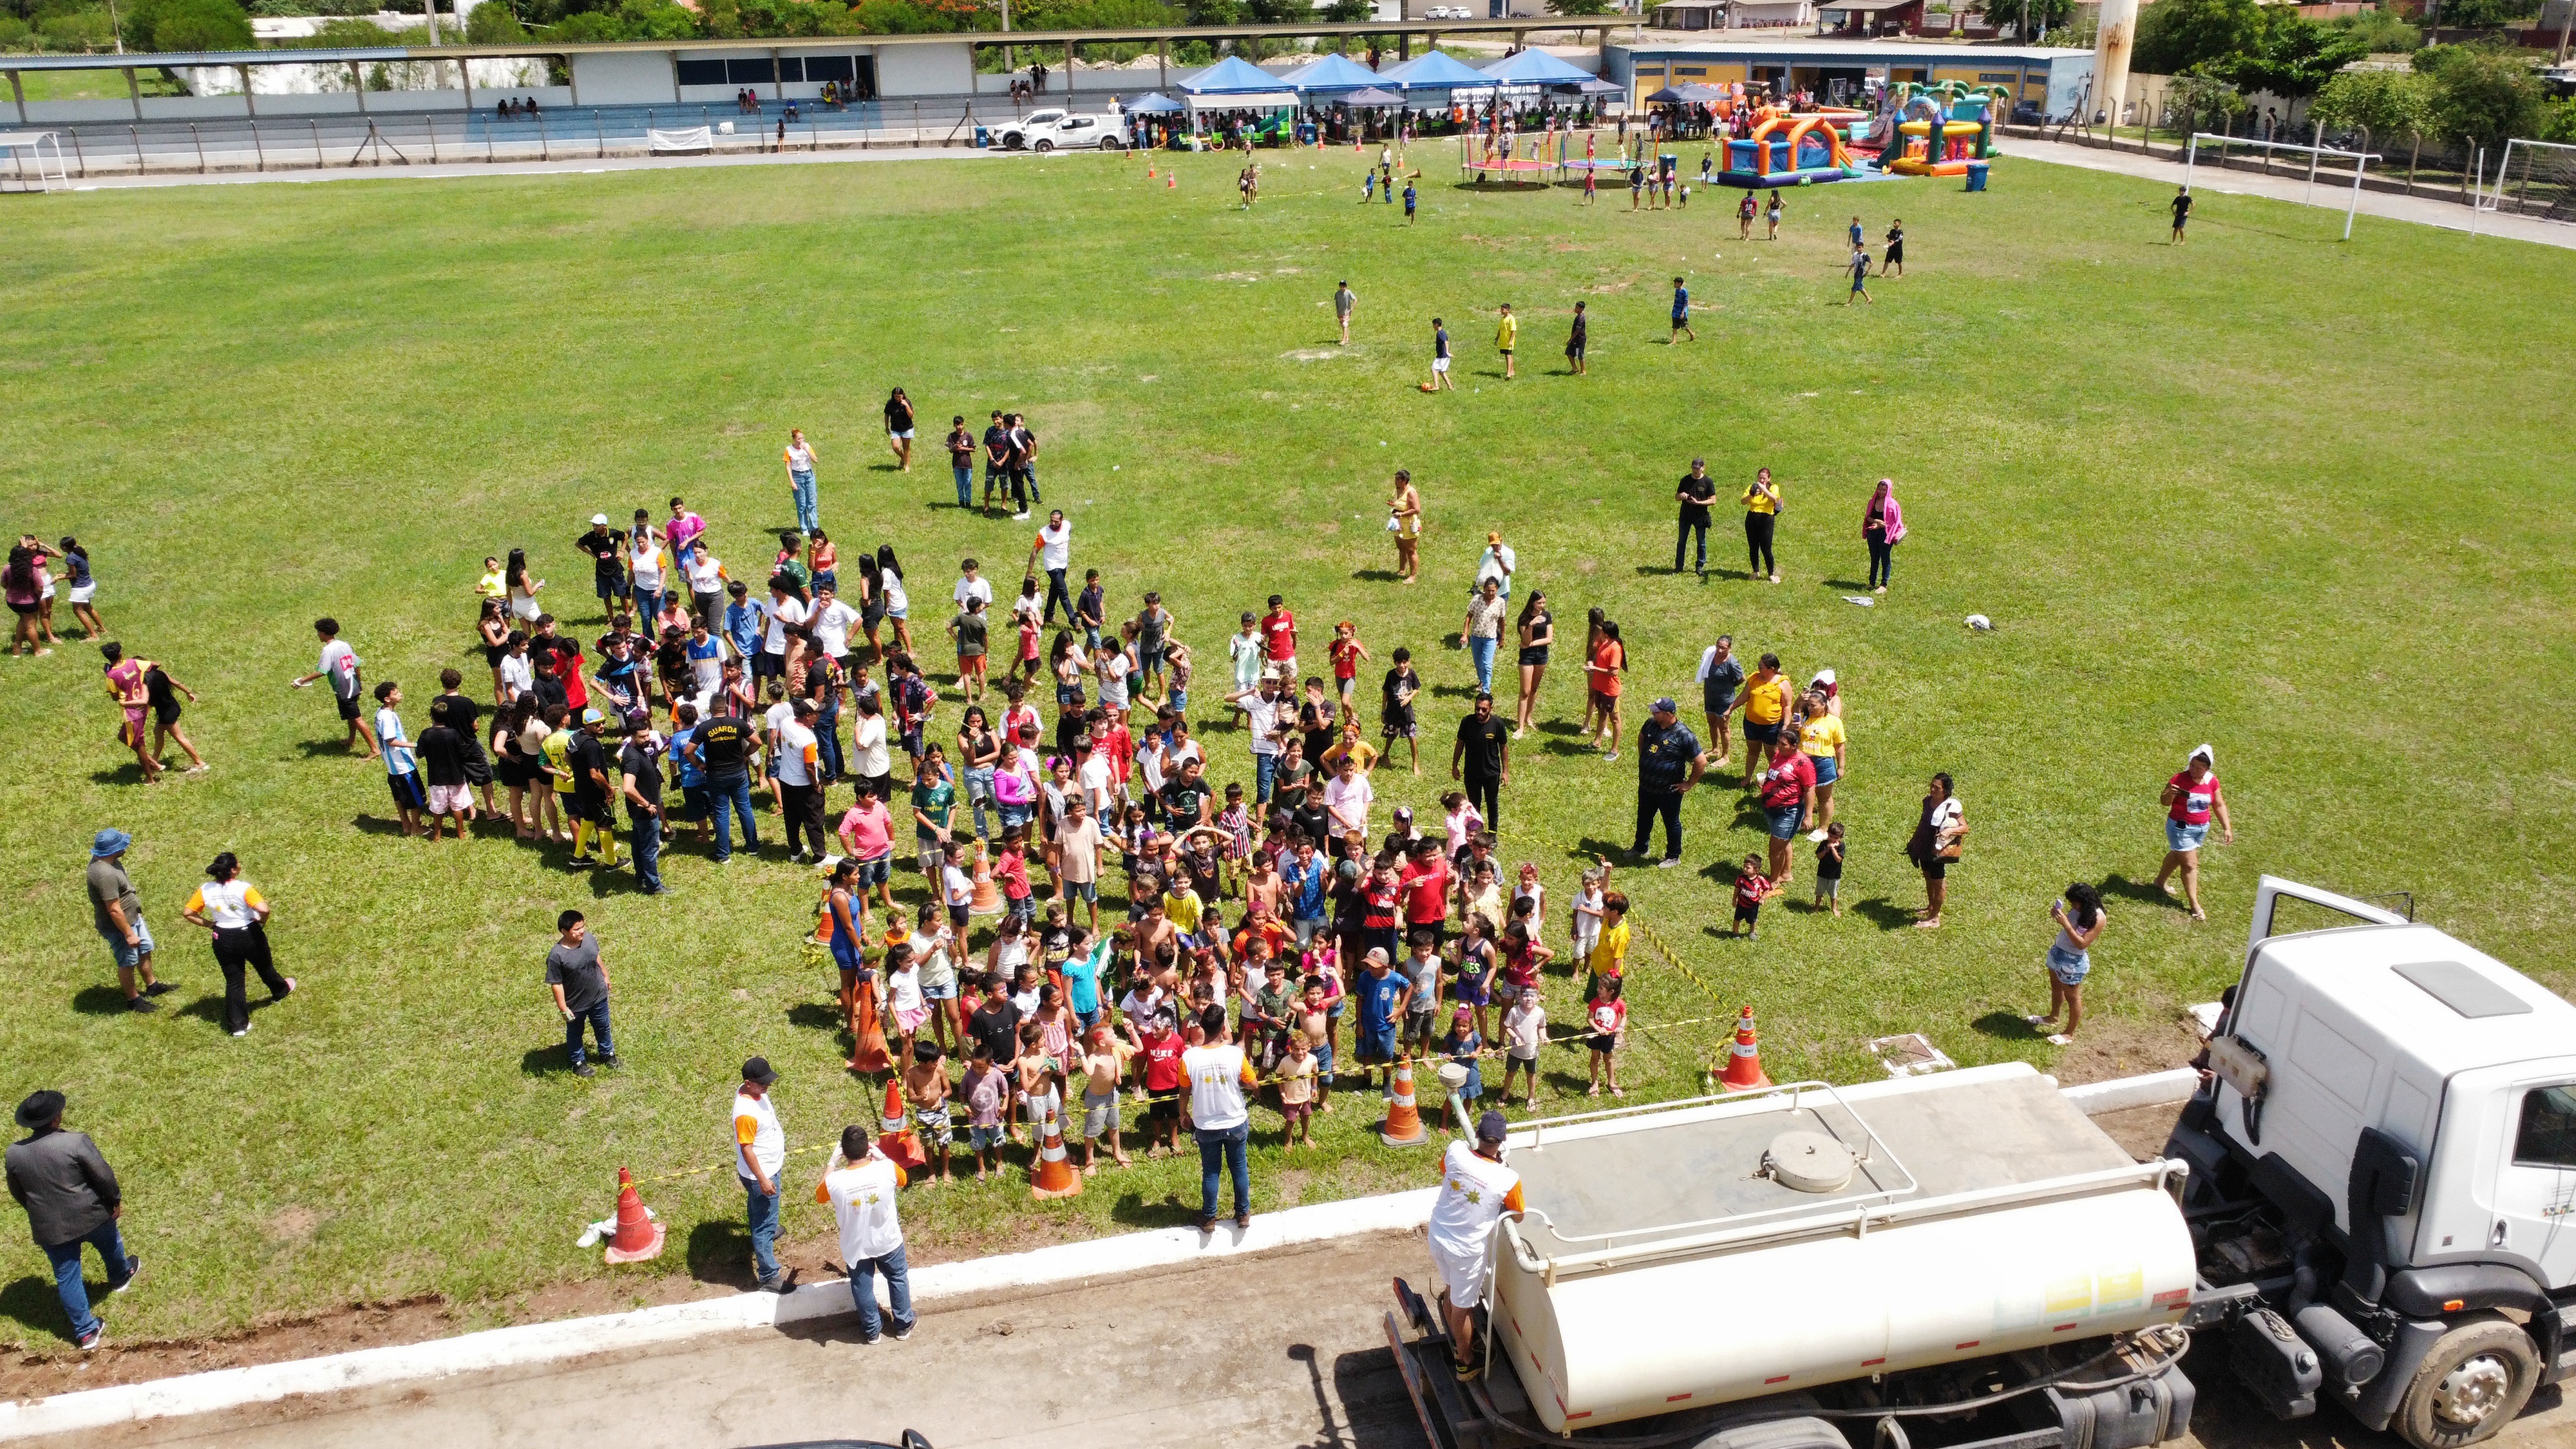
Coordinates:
(903,1331)
(133,1270)
(584,1069)
(93,1338)
(142,1004)
(159,988)
(612,1061)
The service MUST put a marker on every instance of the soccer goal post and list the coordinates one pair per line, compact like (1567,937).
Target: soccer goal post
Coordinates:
(2534,178)
(2317,159)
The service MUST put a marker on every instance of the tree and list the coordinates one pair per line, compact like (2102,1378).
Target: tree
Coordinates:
(2381,104)
(491,23)
(180,25)
(1578,7)
(2290,56)
(2384,32)
(2175,35)
(2482,94)
(2206,103)
(2484,14)
(1347,12)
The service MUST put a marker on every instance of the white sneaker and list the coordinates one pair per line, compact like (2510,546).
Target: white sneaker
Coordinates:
(1815,835)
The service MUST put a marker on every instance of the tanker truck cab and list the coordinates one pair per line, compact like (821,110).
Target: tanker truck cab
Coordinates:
(2382,1190)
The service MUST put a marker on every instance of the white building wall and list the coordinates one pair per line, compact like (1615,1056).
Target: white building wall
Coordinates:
(623,78)
(925,70)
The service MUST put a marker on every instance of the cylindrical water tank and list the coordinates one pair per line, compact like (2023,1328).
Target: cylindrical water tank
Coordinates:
(1606,1346)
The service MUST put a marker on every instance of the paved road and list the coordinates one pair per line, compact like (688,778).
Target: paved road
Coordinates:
(2392,205)
(1283,1350)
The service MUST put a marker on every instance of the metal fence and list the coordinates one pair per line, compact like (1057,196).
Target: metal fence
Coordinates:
(425,138)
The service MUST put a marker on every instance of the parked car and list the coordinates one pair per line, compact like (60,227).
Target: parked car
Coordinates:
(1059,130)
(2027,113)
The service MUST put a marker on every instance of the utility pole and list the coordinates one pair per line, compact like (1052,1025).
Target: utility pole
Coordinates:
(2566,24)
(117,28)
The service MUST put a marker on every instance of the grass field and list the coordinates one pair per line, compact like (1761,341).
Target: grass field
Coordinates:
(2292,497)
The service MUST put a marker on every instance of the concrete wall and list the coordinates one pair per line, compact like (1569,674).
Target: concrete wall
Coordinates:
(926,70)
(342,103)
(622,78)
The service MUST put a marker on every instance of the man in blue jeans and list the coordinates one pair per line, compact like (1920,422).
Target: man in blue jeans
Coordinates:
(71,1198)
(861,1188)
(579,980)
(1218,1073)
(722,747)
(760,1150)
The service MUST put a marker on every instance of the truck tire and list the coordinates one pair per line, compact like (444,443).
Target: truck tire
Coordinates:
(2472,1383)
(1045,145)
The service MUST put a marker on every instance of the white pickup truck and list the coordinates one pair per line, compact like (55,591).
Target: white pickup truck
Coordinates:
(1057,130)
(2372,1202)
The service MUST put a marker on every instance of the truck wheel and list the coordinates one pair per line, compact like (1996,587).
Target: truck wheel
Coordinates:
(2474,1381)
(1046,145)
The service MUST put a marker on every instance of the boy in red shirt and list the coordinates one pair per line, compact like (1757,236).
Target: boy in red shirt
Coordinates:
(1425,883)
(1279,638)
(1160,1064)
(1011,870)
(1347,653)
(1752,887)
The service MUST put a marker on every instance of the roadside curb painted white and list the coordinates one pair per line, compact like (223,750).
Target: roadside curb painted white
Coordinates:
(539,1343)
(2155,1089)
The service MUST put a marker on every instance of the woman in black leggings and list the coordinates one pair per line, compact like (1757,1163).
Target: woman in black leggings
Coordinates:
(1761,514)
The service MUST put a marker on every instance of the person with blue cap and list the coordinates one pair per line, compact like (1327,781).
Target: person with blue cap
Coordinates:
(117,910)
(1476,1189)
(71,1197)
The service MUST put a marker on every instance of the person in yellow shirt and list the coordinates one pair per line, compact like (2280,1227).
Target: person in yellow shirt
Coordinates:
(1761,513)
(1506,335)
(1764,700)
(1821,737)
(1609,954)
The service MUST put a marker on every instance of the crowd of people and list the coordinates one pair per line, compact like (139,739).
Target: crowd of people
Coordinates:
(1246,924)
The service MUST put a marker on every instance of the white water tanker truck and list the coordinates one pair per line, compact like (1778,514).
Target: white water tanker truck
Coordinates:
(2371,1200)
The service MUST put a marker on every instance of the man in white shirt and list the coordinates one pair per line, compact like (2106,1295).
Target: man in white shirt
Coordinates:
(760,1150)
(1262,708)
(1053,551)
(832,620)
(1098,779)
(861,1187)
(971,584)
(1475,1191)
(787,615)
(1347,798)
(1497,564)
(869,759)
(1217,1074)
(800,796)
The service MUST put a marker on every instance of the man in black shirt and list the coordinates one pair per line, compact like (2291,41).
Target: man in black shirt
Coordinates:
(639,766)
(462,714)
(997,458)
(1024,467)
(1697,492)
(1483,758)
(995,1026)
(607,549)
(588,803)
(442,766)
(1669,763)
(1185,798)
(722,747)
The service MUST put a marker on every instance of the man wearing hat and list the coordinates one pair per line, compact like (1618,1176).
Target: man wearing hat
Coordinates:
(71,1198)
(760,1150)
(118,913)
(1475,1191)
(607,550)
(1669,763)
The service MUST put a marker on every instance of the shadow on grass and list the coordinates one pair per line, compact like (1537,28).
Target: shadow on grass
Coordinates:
(545,1061)
(1841,584)
(1376,576)
(815,1015)
(101,1000)
(128,773)
(720,1251)
(1592,848)
(1169,1211)
(2007,1026)
(1887,915)
(315,749)
(375,825)
(30,1303)
(1559,727)
(1579,745)
(2116,884)
(1452,691)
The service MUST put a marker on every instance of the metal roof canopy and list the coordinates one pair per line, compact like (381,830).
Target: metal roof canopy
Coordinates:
(795,45)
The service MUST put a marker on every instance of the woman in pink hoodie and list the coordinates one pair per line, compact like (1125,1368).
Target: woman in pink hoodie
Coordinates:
(1882,526)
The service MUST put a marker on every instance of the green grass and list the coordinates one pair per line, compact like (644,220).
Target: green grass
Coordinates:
(2298,498)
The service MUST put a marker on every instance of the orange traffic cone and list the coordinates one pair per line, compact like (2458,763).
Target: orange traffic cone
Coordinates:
(1171,182)
(1055,1175)
(1744,1068)
(639,1237)
(867,1031)
(1403,1124)
(988,898)
(1149,171)
(898,1142)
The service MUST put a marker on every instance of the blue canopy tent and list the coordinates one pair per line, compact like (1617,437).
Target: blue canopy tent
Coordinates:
(1534,68)
(1435,70)
(1233,76)
(1329,73)
(1372,99)
(1155,105)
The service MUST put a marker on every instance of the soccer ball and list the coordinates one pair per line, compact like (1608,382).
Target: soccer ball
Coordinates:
(1426,387)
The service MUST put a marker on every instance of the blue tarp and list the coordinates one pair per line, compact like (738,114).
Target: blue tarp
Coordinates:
(1535,67)
(1232,76)
(1434,71)
(1330,73)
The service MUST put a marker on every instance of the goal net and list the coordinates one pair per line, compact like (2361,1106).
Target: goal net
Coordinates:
(2534,178)
(2329,174)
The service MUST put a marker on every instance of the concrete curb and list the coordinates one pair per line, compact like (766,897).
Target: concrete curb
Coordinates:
(1042,1268)
(539,1343)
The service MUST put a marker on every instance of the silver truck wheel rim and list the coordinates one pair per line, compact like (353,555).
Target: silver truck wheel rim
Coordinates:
(2471,1392)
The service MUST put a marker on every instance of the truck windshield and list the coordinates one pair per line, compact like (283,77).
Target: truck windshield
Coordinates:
(2548,1134)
